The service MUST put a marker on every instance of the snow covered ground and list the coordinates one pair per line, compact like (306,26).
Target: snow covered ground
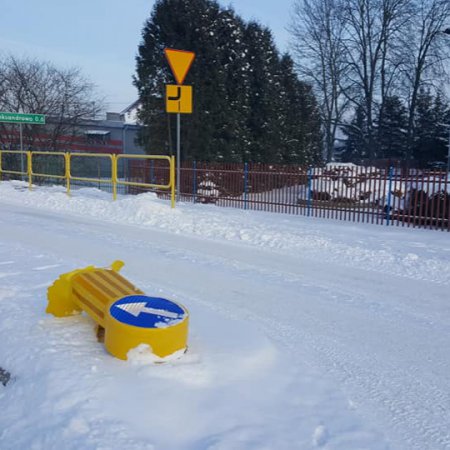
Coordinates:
(304,333)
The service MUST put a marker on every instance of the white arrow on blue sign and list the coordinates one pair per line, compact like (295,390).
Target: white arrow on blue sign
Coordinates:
(146,312)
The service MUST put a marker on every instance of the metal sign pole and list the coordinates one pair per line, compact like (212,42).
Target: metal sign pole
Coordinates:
(179,97)
(20,118)
(178,155)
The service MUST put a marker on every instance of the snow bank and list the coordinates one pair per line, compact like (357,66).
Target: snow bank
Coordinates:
(287,234)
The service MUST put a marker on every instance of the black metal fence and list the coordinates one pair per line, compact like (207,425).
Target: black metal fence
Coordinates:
(385,196)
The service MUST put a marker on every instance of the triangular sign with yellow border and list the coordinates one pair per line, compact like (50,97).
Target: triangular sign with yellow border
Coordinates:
(180,62)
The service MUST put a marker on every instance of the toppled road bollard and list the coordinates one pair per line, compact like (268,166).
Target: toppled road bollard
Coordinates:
(124,314)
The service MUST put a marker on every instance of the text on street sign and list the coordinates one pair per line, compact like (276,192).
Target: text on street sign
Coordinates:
(32,119)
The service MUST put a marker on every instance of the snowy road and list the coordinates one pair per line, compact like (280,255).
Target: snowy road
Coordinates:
(379,338)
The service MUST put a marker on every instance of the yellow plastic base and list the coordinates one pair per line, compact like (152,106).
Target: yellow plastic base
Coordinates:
(121,338)
(61,302)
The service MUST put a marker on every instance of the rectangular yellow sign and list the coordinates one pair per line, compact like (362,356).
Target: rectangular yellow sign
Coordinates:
(178,99)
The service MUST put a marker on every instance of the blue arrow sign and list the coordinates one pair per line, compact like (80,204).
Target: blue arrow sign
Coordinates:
(147,312)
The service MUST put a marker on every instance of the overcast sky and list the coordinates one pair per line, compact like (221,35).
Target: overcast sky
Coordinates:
(101,36)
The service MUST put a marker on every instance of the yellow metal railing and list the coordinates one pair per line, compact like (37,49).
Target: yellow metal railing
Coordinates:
(32,173)
(68,158)
(170,185)
(99,180)
(21,172)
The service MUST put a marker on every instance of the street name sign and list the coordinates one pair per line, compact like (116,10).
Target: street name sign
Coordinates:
(32,119)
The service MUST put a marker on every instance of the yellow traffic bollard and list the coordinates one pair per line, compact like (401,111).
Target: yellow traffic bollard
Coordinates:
(127,316)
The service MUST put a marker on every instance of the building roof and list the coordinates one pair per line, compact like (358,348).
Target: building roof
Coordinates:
(130,113)
(134,106)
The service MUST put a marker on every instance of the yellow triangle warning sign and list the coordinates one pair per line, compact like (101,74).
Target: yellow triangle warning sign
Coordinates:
(180,62)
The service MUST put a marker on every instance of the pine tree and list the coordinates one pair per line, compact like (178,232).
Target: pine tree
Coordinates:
(231,133)
(355,147)
(431,132)
(239,86)
(299,117)
(213,130)
(263,120)
(392,129)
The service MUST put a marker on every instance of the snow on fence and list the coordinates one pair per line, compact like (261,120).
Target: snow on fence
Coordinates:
(386,196)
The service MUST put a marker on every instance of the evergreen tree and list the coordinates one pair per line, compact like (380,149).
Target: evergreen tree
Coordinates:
(239,110)
(431,132)
(299,117)
(214,129)
(355,147)
(264,71)
(392,128)
(231,130)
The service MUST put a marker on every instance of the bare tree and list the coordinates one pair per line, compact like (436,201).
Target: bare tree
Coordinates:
(369,51)
(424,54)
(318,47)
(63,95)
(371,30)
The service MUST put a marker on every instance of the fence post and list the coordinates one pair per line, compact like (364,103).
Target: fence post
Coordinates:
(309,201)
(388,206)
(172,181)
(152,171)
(194,180)
(29,170)
(114,175)
(245,184)
(67,171)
